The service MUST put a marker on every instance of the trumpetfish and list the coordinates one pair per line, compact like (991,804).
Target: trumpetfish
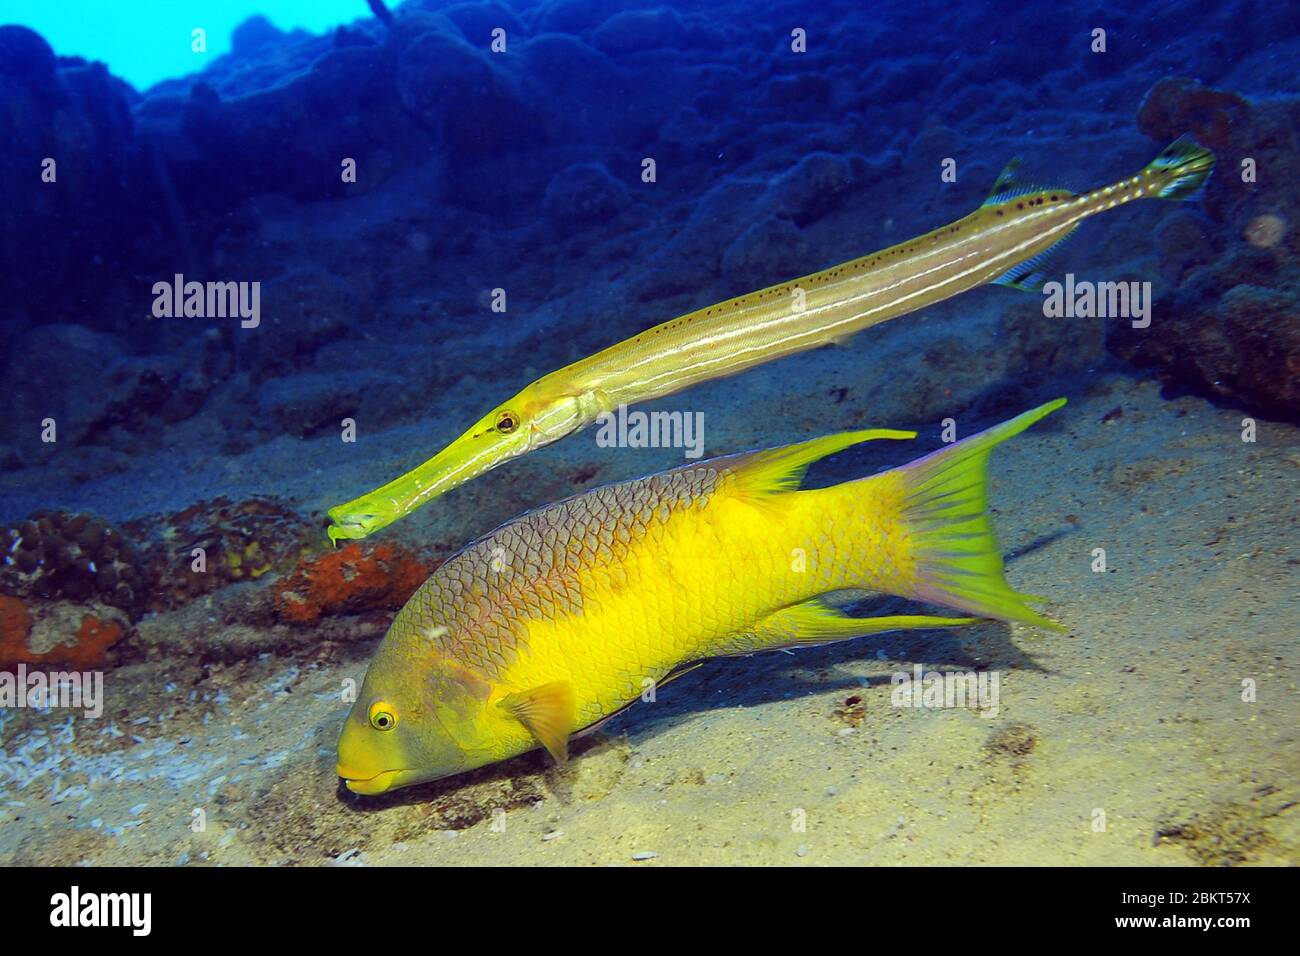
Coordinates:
(1006,241)
(562,617)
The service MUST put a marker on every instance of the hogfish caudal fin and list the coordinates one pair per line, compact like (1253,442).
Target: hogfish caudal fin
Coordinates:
(944,513)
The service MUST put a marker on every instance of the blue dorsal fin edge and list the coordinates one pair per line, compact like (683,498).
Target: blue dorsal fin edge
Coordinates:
(1030,275)
(1009,185)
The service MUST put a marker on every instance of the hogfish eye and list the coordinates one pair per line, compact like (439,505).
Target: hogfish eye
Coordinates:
(381,718)
(507,422)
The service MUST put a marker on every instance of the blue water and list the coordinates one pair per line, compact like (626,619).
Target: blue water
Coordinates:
(145,41)
(376,186)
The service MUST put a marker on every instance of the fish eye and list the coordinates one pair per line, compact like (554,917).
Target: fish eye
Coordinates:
(507,422)
(381,717)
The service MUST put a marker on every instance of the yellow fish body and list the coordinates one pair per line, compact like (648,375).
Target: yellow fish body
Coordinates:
(565,615)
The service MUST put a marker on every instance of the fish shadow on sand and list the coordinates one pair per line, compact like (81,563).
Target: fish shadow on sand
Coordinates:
(772,677)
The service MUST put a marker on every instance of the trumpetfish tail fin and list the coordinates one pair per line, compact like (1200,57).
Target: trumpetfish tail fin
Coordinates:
(1179,172)
(1182,167)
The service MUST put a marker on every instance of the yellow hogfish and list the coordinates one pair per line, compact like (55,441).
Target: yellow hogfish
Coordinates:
(562,617)
(1003,241)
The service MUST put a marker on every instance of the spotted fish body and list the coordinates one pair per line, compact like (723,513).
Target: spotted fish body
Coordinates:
(565,615)
(1006,241)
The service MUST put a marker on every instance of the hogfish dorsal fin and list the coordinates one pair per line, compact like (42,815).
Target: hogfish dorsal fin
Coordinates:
(549,714)
(776,470)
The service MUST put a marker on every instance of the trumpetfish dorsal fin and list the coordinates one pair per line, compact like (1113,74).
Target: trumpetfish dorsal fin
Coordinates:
(1030,275)
(549,714)
(1008,180)
(1009,185)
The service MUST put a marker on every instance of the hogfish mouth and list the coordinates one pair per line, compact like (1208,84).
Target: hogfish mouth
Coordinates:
(371,785)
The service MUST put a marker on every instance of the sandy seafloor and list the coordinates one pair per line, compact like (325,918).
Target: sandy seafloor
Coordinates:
(1136,712)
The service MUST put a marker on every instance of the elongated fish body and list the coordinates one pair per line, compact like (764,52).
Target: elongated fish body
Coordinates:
(1003,241)
(565,615)
(830,306)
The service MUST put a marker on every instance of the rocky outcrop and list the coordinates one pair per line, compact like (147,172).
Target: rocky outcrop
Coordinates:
(1230,325)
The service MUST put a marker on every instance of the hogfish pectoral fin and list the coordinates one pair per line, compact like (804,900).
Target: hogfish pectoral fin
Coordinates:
(815,622)
(549,714)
